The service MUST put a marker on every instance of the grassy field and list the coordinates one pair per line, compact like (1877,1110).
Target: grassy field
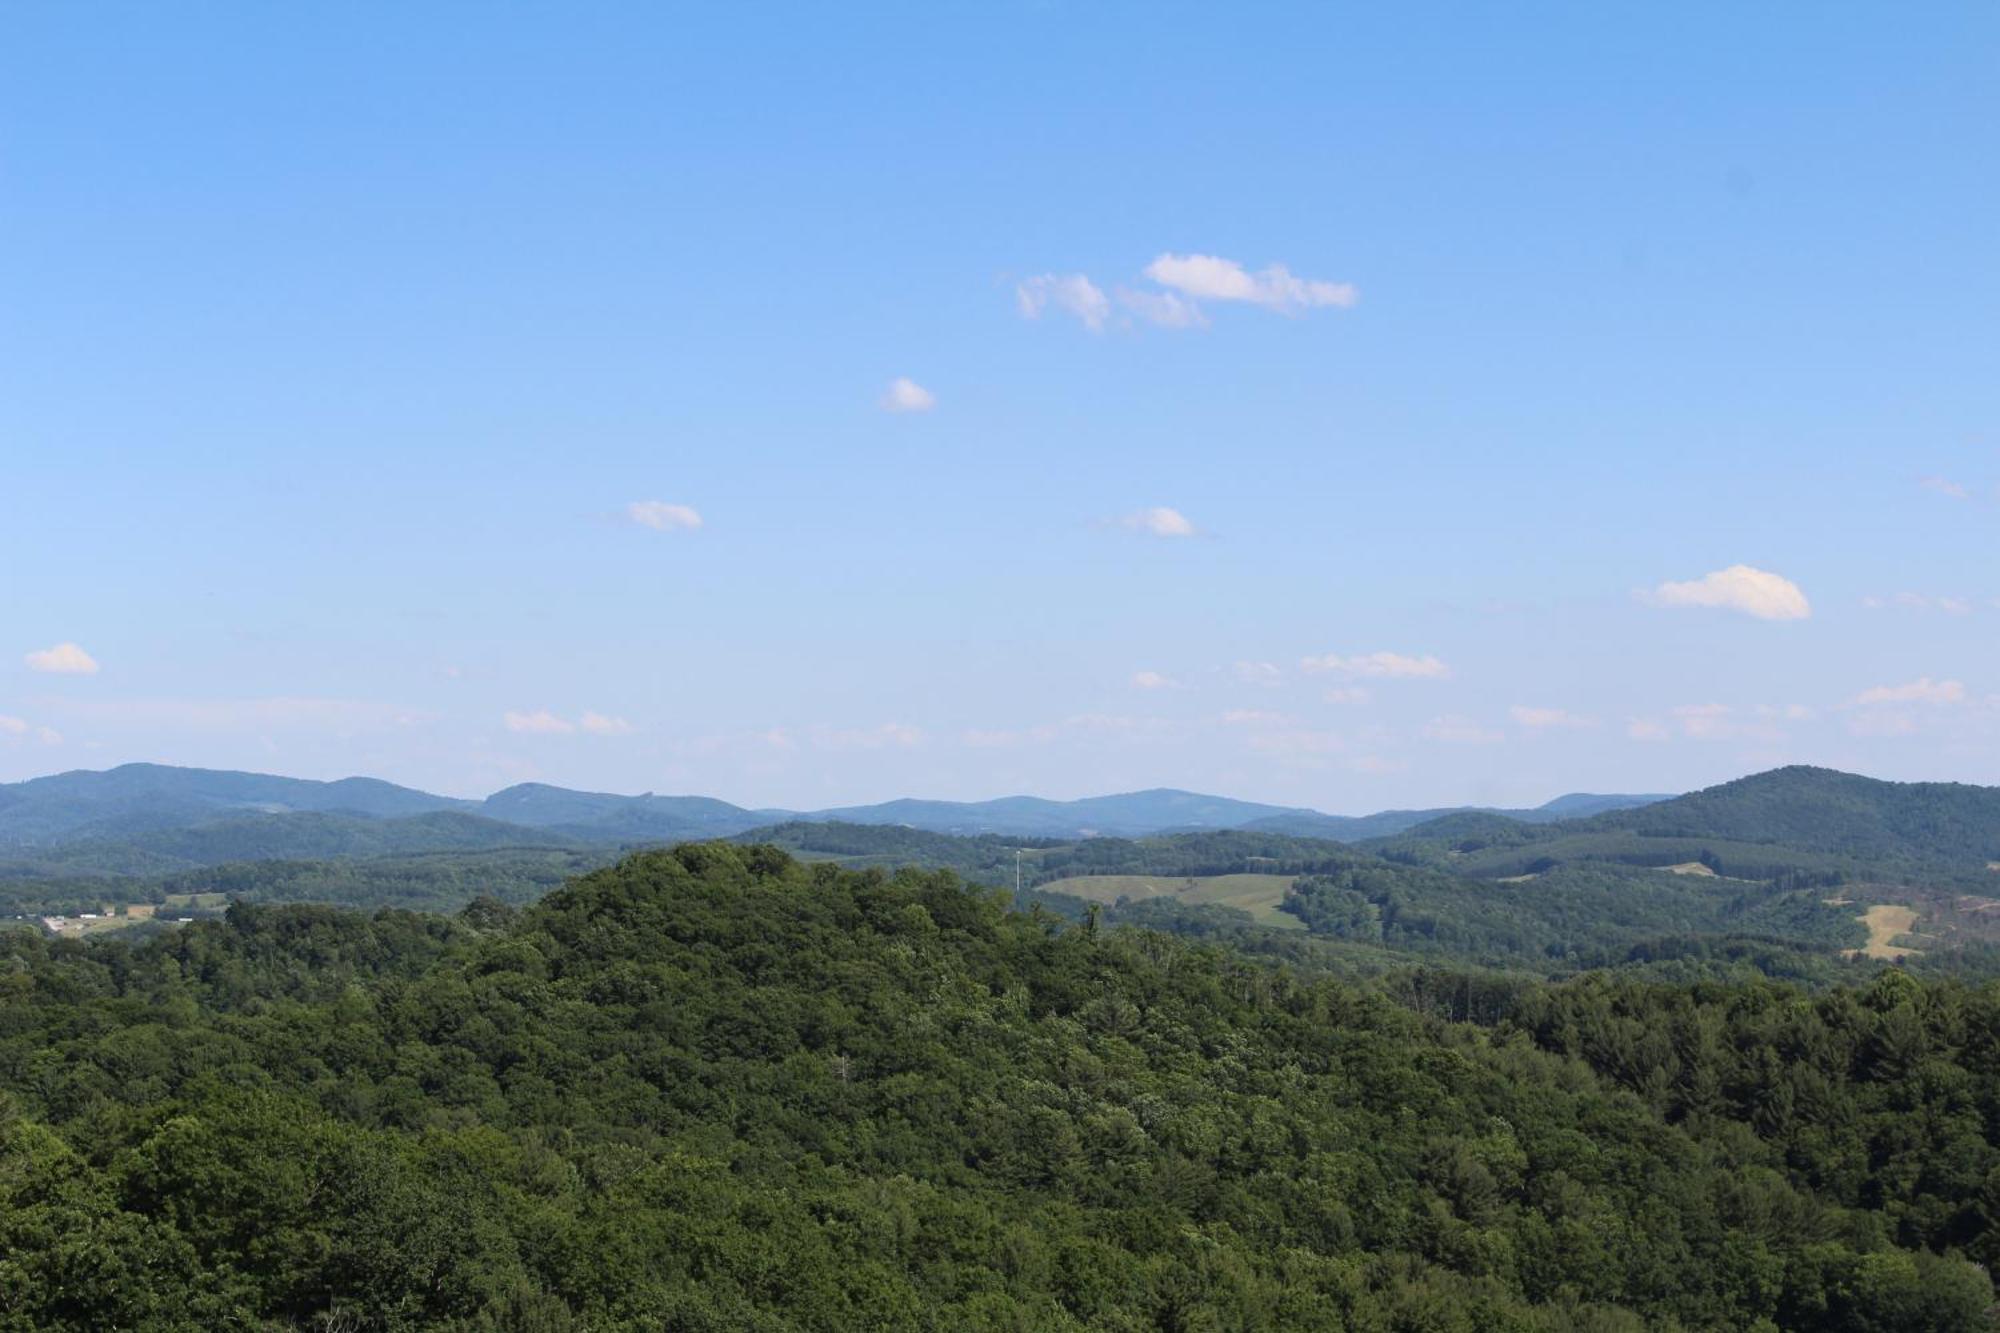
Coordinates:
(1259,895)
(1886,922)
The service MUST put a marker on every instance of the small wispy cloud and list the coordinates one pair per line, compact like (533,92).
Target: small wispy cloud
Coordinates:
(663,517)
(1720,722)
(1543,719)
(1742,588)
(1159,521)
(1453,729)
(1347,694)
(1717,722)
(65,659)
(1168,310)
(1297,744)
(1253,717)
(1257,673)
(541,722)
(906,395)
(896,735)
(1153,680)
(1945,486)
(1072,293)
(1213,278)
(1706,721)
(1381,666)
(1920,601)
(1182,283)
(1923,690)
(18,729)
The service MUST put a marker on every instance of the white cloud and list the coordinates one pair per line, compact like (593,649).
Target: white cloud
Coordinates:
(1455,730)
(65,659)
(890,734)
(1882,724)
(538,723)
(1720,722)
(1921,601)
(598,724)
(1253,717)
(1537,719)
(1166,309)
(1153,680)
(1384,666)
(1297,744)
(1160,521)
(1944,486)
(1258,673)
(995,738)
(1070,292)
(1099,726)
(1704,721)
(906,395)
(1210,278)
(663,517)
(16,729)
(1923,690)
(1347,694)
(1754,592)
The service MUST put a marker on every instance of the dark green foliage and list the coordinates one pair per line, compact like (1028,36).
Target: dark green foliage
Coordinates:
(1818,809)
(430,882)
(1583,915)
(292,836)
(716,1088)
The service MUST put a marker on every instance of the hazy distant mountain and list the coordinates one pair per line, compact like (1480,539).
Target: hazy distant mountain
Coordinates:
(141,817)
(1581,805)
(136,797)
(1128,814)
(298,836)
(538,805)
(1387,823)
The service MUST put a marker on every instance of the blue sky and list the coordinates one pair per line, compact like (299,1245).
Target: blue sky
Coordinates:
(337,345)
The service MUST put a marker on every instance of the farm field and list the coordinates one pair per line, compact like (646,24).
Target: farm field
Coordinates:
(1259,895)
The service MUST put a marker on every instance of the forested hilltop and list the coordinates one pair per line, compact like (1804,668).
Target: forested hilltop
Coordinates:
(719,1088)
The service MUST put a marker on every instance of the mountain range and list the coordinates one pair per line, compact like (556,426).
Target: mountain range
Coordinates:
(140,818)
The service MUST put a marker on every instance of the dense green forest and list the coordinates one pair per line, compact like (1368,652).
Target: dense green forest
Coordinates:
(719,1088)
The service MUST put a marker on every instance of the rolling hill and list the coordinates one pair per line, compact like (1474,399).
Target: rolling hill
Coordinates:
(136,797)
(1812,820)
(1387,823)
(139,803)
